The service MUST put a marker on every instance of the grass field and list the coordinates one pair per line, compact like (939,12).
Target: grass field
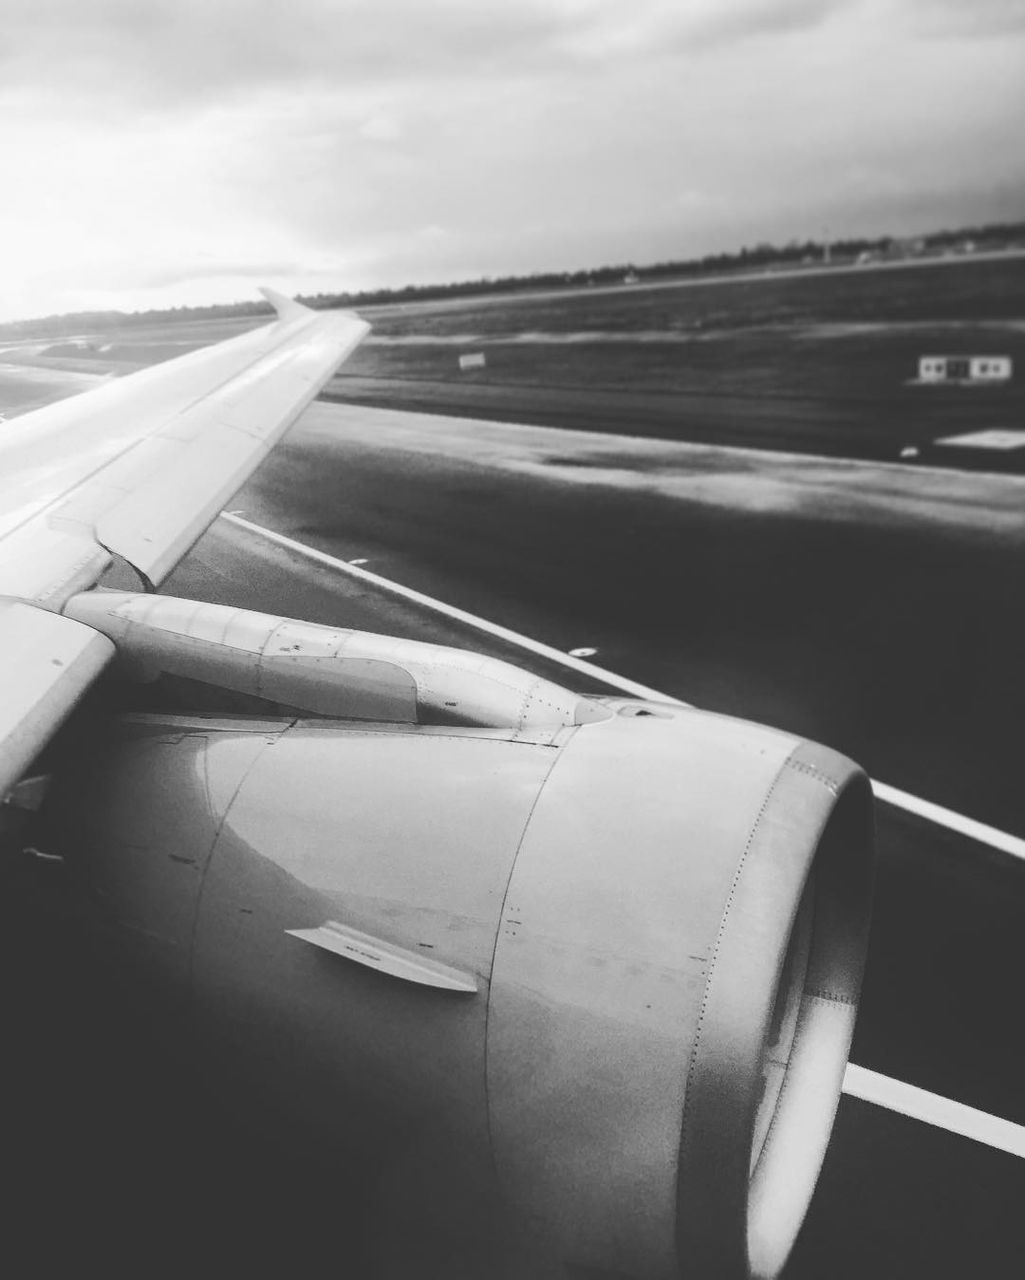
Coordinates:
(822,362)
(846,343)
(850,334)
(950,290)
(808,361)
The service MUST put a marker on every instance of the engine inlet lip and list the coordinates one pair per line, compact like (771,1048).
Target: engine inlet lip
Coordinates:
(739,1216)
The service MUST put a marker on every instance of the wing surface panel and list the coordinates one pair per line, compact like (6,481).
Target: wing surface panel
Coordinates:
(45,453)
(141,465)
(46,664)
(217,444)
(136,468)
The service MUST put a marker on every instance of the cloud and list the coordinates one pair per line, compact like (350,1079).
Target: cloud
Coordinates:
(983,19)
(166,54)
(174,152)
(199,269)
(728,24)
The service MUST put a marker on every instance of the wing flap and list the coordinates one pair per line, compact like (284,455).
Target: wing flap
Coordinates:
(136,469)
(142,465)
(46,563)
(46,664)
(208,452)
(149,527)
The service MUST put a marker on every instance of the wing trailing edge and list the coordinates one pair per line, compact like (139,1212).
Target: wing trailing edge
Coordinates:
(135,469)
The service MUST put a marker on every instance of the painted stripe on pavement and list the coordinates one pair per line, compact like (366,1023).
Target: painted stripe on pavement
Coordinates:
(932,1108)
(458,615)
(981,832)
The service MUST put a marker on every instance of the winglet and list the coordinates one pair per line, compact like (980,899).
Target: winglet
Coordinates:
(287,308)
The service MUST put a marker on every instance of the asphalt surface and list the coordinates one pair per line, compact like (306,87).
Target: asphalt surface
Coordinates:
(884,623)
(883,427)
(879,614)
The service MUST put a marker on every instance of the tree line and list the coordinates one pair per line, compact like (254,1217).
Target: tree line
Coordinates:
(989,236)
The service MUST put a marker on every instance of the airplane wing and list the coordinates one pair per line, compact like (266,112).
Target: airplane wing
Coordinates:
(134,470)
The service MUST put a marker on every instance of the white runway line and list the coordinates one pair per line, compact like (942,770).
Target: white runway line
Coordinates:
(858,1081)
(458,615)
(978,831)
(993,438)
(933,1109)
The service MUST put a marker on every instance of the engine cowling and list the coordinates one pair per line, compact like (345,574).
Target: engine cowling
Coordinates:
(592,986)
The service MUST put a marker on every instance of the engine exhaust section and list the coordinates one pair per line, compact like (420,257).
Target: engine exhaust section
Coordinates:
(588,974)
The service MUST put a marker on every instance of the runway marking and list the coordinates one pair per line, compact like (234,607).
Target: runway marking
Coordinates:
(992,438)
(870,1086)
(458,615)
(932,1108)
(980,832)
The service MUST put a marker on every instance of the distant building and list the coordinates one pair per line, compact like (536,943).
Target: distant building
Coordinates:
(908,247)
(631,277)
(965,369)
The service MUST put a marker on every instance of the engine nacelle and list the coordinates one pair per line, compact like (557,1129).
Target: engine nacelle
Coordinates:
(593,985)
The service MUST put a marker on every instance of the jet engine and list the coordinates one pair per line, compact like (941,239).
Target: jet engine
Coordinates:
(575,977)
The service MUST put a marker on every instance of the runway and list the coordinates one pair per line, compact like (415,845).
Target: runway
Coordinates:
(900,422)
(869,607)
(875,608)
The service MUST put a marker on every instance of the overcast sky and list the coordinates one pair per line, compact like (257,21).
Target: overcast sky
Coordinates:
(160,152)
